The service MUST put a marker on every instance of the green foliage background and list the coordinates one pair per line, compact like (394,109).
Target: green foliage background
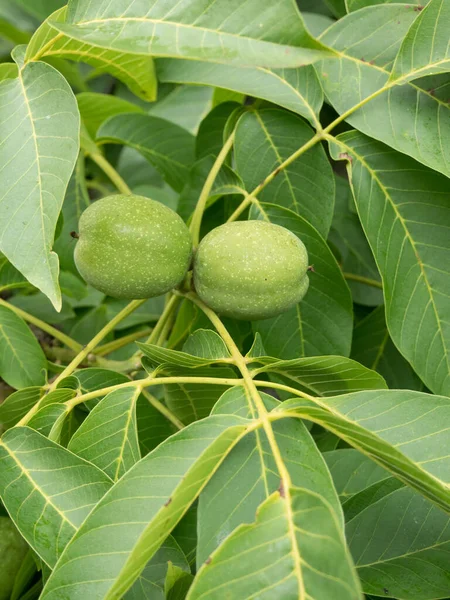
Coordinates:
(150,449)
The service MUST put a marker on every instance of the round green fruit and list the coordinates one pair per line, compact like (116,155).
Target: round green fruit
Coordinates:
(251,270)
(132,247)
(12,552)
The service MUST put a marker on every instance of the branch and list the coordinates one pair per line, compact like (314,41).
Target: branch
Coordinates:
(206,191)
(58,335)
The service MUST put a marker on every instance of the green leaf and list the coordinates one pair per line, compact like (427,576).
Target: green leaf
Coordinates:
(150,583)
(89,324)
(373,347)
(40,306)
(37,156)
(137,72)
(93,379)
(354,38)
(168,147)
(404,431)
(40,9)
(264,140)
(52,412)
(108,437)
(337,7)
(353,5)
(49,421)
(408,553)
(353,472)
(17,405)
(295,89)
(14,552)
(211,132)
(425,49)
(10,32)
(10,277)
(129,525)
(205,348)
(24,576)
(149,311)
(227,183)
(96,108)
(356,257)
(195,100)
(290,528)
(153,427)
(193,401)
(47,490)
(249,475)
(322,322)
(404,209)
(22,361)
(410,118)
(223,32)
(177,583)
(324,375)
(206,343)
(317,23)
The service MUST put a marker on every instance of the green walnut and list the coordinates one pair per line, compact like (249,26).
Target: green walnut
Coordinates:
(251,270)
(132,247)
(12,552)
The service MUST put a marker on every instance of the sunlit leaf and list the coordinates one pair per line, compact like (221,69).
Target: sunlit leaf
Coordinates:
(37,155)
(425,49)
(410,117)
(271,36)
(404,209)
(132,521)
(295,89)
(278,556)
(404,431)
(135,71)
(324,375)
(249,474)
(353,5)
(47,490)
(202,348)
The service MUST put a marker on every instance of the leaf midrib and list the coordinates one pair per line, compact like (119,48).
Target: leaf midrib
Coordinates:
(188,26)
(34,136)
